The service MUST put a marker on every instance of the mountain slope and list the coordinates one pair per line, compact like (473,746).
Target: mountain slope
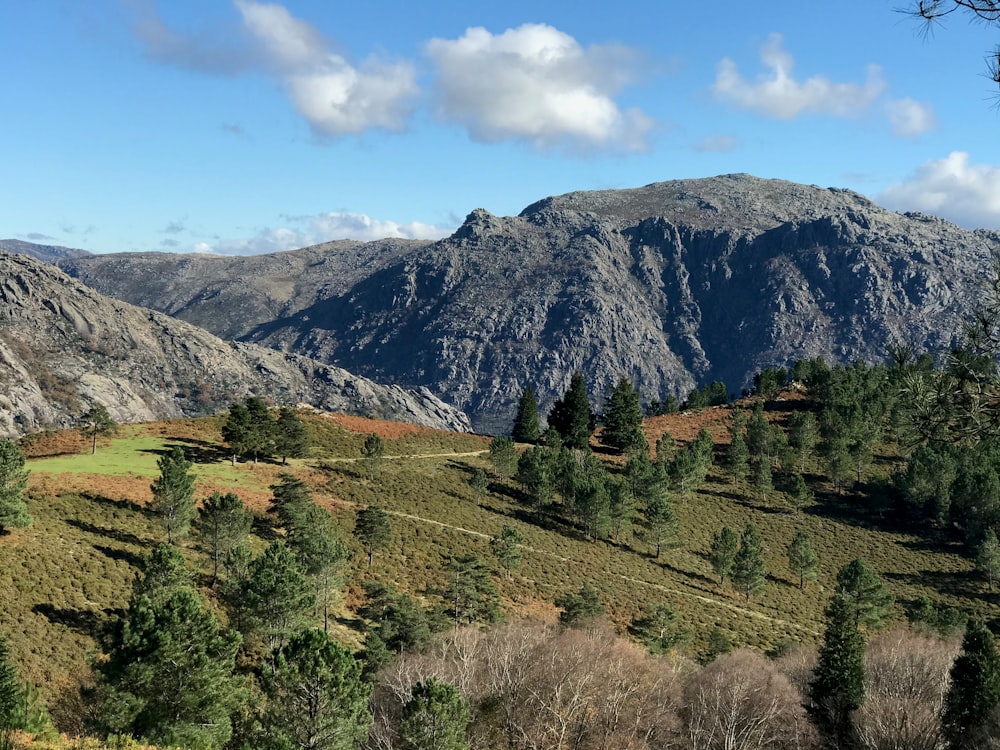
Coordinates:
(46,253)
(672,284)
(64,347)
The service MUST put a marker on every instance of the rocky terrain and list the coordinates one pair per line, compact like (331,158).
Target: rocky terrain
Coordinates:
(47,253)
(64,347)
(673,284)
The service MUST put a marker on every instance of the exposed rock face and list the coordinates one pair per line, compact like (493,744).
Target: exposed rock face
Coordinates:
(672,284)
(64,347)
(47,253)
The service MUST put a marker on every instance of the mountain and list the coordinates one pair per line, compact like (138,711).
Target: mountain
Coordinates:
(672,284)
(64,347)
(46,253)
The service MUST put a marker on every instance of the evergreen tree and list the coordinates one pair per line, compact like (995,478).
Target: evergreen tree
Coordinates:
(659,628)
(803,437)
(738,457)
(623,419)
(480,483)
(224,524)
(169,676)
(749,571)
(97,421)
(373,530)
(290,437)
(838,687)
(276,595)
(261,436)
(593,501)
(758,433)
(10,697)
(661,522)
(173,493)
(164,571)
(988,557)
(722,552)
(13,481)
(621,509)
(974,693)
(534,473)
(435,718)
(373,451)
(506,547)
(760,472)
(803,558)
(237,429)
(471,595)
(798,492)
(580,607)
(503,456)
(865,595)
(289,497)
(316,697)
(526,428)
(323,556)
(571,415)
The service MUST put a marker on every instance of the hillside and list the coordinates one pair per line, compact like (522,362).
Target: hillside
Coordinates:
(673,284)
(64,347)
(47,253)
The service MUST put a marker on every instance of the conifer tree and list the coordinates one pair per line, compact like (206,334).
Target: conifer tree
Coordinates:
(623,419)
(571,415)
(580,607)
(435,718)
(838,685)
(864,593)
(13,481)
(803,437)
(97,421)
(974,693)
(988,556)
(526,428)
(236,430)
(372,451)
(471,595)
(749,571)
(503,456)
(803,558)
(506,547)
(373,530)
(10,696)
(661,521)
(290,437)
(534,473)
(173,493)
(276,595)
(224,524)
(659,628)
(722,552)
(737,457)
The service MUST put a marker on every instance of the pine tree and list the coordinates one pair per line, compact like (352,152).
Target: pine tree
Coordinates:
(526,428)
(659,628)
(372,451)
(10,696)
(799,492)
(164,571)
(580,607)
(237,429)
(974,693)
(290,437)
(316,697)
(506,547)
(97,421)
(262,432)
(738,457)
(435,718)
(173,494)
(803,558)
(373,530)
(623,419)
(988,556)
(863,591)
(534,473)
(838,686)
(503,456)
(661,521)
(722,552)
(224,524)
(571,415)
(276,595)
(749,571)
(13,481)
(471,595)
(803,437)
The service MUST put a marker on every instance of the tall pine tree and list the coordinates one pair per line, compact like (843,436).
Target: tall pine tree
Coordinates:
(623,419)
(526,429)
(974,694)
(13,481)
(173,494)
(838,686)
(571,415)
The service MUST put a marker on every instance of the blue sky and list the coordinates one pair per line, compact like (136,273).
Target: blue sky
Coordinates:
(237,126)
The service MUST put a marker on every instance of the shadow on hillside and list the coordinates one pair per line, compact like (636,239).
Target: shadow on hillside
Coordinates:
(960,583)
(195,451)
(121,504)
(83,621)
(708,584)
(867,505)
(125,537)
(262,528)
(746,501)
(131,558)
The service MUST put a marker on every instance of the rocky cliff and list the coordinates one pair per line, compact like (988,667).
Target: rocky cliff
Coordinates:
(64,347)
(672,284)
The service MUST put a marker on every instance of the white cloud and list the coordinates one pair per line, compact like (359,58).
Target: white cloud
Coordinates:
(335,97)
(777,94)
(717,143)
(967,194)
(312,230)
(538,84)
(910,118)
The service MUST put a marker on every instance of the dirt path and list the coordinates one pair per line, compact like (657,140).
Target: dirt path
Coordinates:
(467,454)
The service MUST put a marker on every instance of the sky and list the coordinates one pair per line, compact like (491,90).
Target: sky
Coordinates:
(242,126)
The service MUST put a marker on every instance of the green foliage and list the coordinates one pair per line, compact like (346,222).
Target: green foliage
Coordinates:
(224,523)
(276,595)
(97,421)
(623,419)
(373,451)
(526,428)
(988,557)
(173,494)
(435,717)
(373,530)
(250,429)
(770,381)
(738,456)
(316,697)
(534,473)
(290,437)
(470,595)
(506,548)
(689,466)
(13,481)
(798,492)
(974,692)
(169,676)
(571,415)
(503,456)
(10,695)
(864,594)
(659,628)
(579,608)
(722,552)
(926,484)
(944,620)
(661,521)
(803,437)
(398,621)
(803,559)
(749,571)
(837,687)
(480,482)
(164,571)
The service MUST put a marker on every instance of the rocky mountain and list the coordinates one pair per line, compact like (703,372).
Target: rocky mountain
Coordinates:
(47,253)
(64,347)
(673,284)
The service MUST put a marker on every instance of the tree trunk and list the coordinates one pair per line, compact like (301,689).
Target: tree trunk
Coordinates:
(93,448)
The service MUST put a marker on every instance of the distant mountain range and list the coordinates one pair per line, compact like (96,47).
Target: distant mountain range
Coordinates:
(65,347)
(47,253)
(673,284)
